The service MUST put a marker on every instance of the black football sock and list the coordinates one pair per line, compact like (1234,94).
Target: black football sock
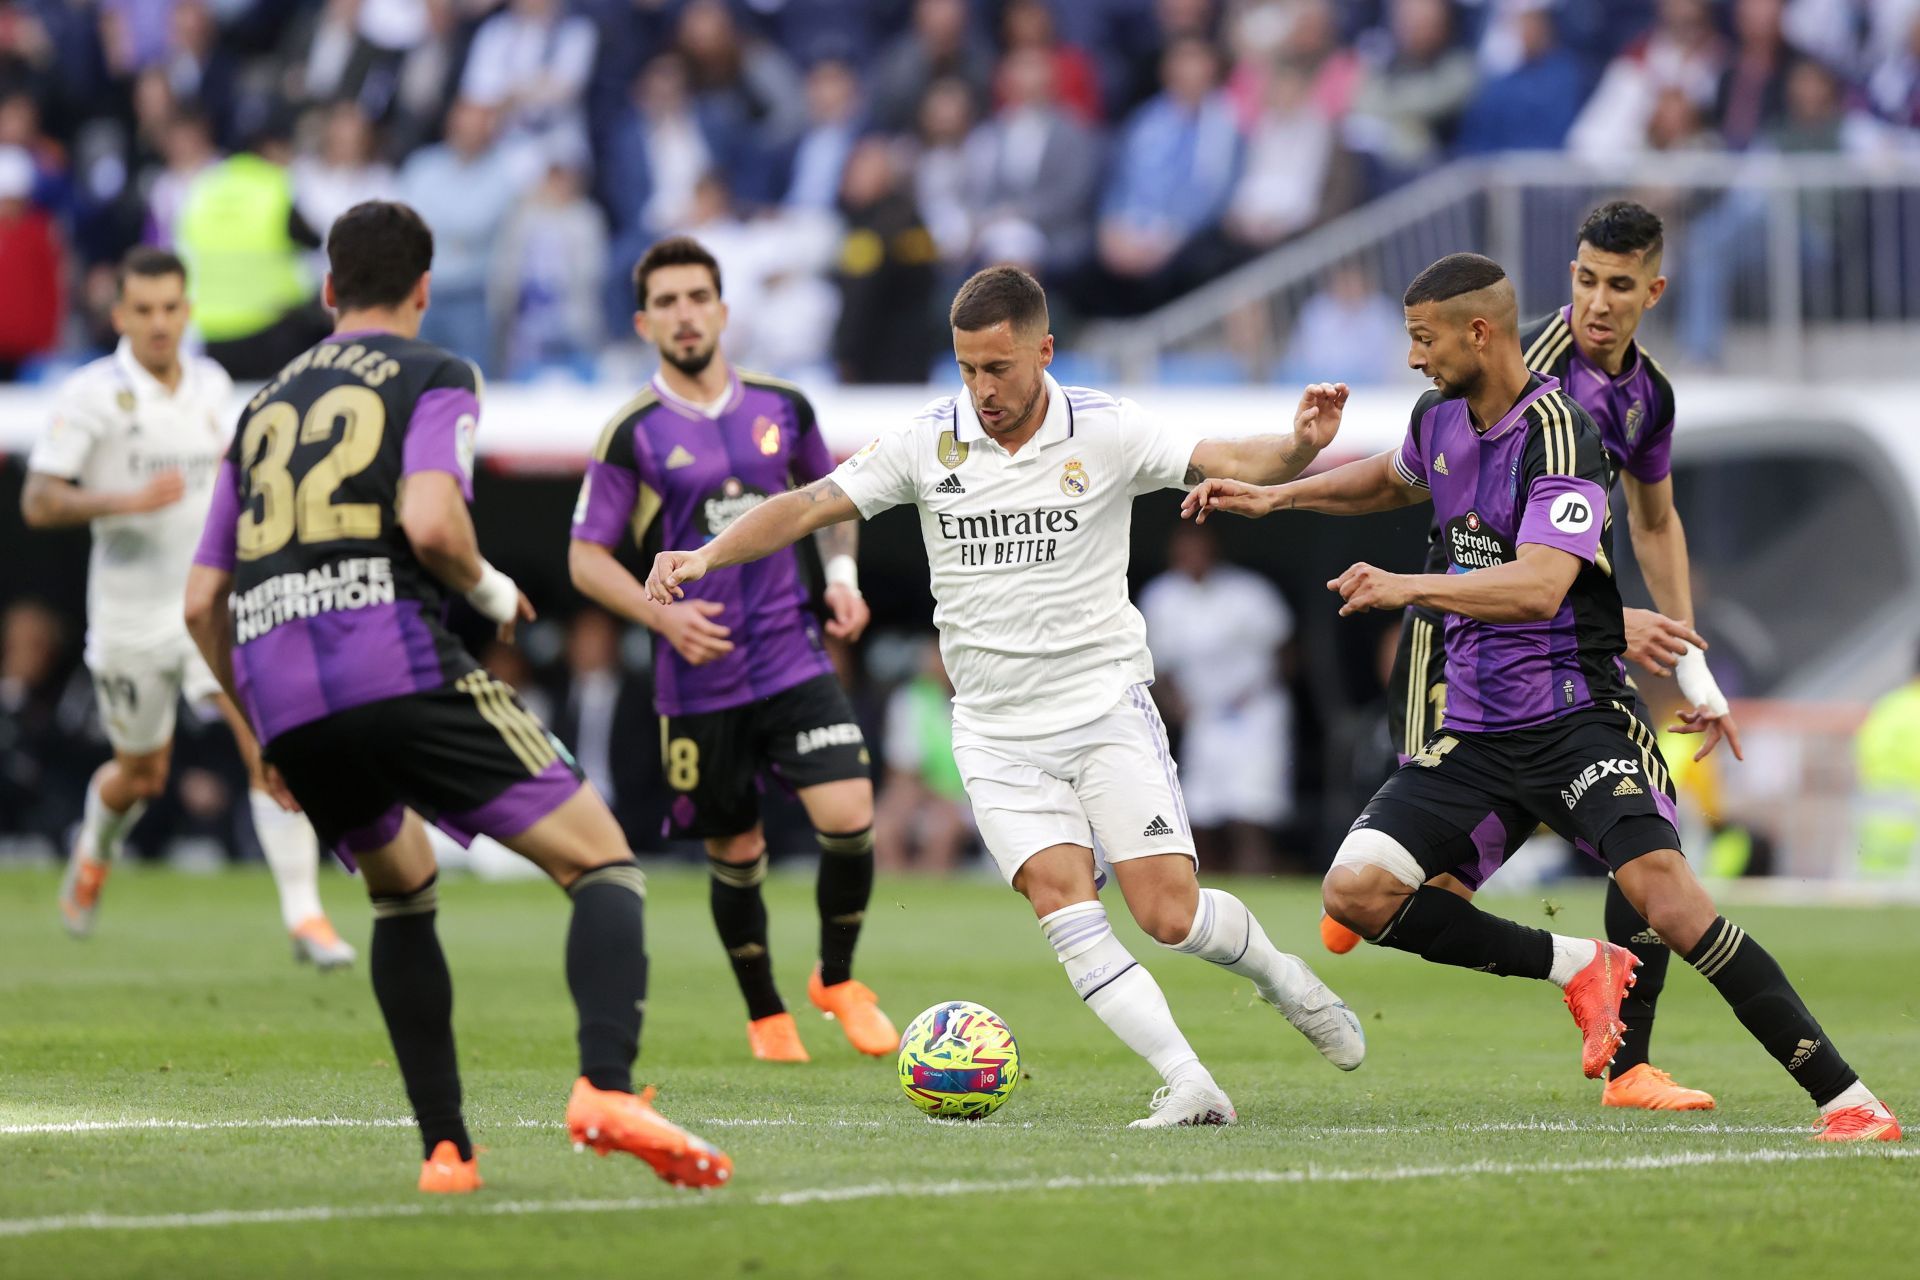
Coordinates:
(841,893)
(415,991)
(740,914)
(1447,929)
(1767,1005)
(1627,928)
(607,970)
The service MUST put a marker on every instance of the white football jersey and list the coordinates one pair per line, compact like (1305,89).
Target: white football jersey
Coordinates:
(115,426)
(1028,551)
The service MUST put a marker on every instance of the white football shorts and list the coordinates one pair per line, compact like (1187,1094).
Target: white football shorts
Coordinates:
(1109,785)
(138,692)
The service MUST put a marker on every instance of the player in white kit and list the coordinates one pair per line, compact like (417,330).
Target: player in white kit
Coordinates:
(1025,491)
(132,450)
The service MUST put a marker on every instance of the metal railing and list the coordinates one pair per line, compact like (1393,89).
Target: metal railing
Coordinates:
(1789,265)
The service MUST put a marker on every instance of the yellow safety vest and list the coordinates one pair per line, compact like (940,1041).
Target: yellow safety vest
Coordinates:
(244,266)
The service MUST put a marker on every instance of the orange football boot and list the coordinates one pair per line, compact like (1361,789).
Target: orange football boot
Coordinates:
(1593,997)
(776,1038)
(1858,1124)
(80,892)
(609,1121)
(854,1006)
(1651,1089)
(445,1173)
(1336,937)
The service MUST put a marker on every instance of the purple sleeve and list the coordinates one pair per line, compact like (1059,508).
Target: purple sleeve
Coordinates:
(1564,512)
(440,435)
(1652,462)
(607,498)
(223,519)
(811,458)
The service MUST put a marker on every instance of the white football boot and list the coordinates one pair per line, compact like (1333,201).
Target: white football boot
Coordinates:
(1324,1019)
(1189,1103)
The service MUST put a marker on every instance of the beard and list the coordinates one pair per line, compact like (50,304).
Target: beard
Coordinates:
(694,364)
(1017,420)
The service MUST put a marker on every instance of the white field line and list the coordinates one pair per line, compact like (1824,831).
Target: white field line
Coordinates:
(71,1128)
(16,1227)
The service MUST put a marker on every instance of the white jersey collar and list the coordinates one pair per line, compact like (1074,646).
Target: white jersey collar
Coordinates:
(143,384)
(728,401)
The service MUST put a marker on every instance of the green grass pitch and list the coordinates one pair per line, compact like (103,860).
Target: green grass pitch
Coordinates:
(1468,1143)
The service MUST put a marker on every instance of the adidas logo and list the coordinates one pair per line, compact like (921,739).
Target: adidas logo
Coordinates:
(1440,463)
(1628,787)
(1805,1050)
(1647,937)
(679,458)
(1158,827)
(950,485)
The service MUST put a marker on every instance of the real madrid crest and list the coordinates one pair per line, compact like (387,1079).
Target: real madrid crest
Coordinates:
(766,432)
(950,450)
(1073,479)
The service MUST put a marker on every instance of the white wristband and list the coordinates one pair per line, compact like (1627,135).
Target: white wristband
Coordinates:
(844,571)
(494,595)
(1697,684)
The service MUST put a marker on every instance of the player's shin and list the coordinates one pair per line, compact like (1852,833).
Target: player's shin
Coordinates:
(1751,981)
(842,891)
(103,829)
(415,991)
(740,916)
(1447,929)
(1121,992)
(607,970)
(287,842)
(1627,928)
(1225,933)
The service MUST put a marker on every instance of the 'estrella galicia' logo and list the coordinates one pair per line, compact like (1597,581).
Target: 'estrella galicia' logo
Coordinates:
(725,505)
(1473,544)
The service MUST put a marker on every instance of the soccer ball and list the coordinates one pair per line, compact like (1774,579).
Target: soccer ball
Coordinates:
(958,1061)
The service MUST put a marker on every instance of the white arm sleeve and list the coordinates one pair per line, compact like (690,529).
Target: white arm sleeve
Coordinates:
(1156,456)
(71,434)
(882,474)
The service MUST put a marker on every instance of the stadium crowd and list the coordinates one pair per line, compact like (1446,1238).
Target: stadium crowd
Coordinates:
(849,160)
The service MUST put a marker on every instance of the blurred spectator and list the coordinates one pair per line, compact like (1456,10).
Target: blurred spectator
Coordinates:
(942,43)
(1531,106)
(1729,240)
(745,82)
(32,263)
(393,57)
(1894,86)
(244,244)
(1313,41)
(1752,93)
(1290,153)
(1348,331)
(530,61)
(20,127)
(1138,36)
(1217,632)
(1029,25)
(1684,51)
(1411,97)
(886,276)
(1886,754)
(43,763)
(659,151)
(943,169)
(546,275)
(344,172)
(1178,161)
(187,149)
(596,685)
(464,188)
(833,120)
(199,68)
(922,821)
(1036,169)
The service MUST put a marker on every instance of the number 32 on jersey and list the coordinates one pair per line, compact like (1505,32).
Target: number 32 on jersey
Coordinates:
(304,507)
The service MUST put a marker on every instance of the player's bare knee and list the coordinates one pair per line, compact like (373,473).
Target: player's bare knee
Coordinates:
(1664,890)
(742,850)
(145,775)
(1169,926)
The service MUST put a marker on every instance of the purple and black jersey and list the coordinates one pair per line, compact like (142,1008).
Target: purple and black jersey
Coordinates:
(330,607)
(673,475)
(1632,410)
(1539,475)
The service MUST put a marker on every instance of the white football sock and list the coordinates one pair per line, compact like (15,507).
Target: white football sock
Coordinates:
(1855,1095)
(1570,956)
(1225,933)
(292,855)
(103,831)
(1117,988)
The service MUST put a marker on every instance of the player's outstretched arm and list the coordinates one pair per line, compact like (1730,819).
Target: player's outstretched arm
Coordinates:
(1666,642)
(692,627)
(434,516)
(1529,588)
(52,502)
(1371,484)
(776,523)
(1274,459)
